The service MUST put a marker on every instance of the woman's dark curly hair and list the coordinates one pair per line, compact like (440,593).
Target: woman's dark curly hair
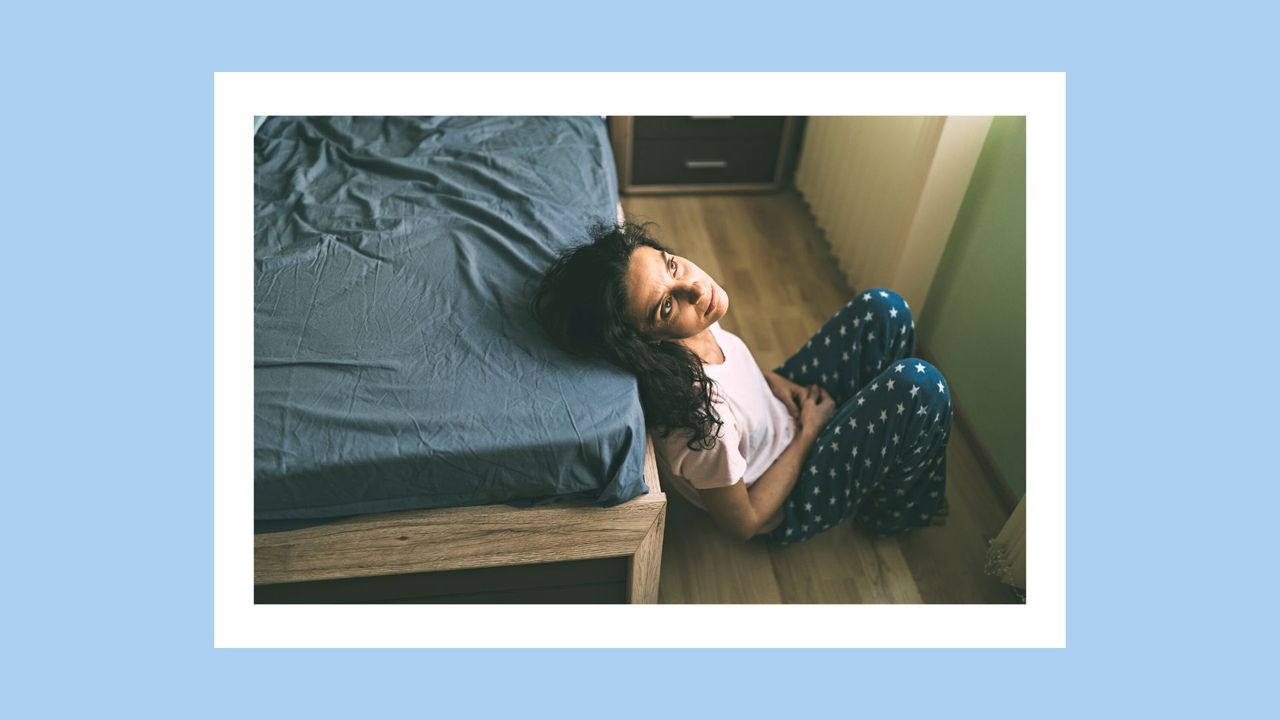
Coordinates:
(582,304)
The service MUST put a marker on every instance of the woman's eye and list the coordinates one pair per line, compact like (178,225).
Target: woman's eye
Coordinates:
(666,309)
(672,265)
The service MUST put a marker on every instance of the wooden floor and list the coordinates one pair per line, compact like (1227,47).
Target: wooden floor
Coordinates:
(783,284)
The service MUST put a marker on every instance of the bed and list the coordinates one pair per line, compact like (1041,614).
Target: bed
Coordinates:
(417,438)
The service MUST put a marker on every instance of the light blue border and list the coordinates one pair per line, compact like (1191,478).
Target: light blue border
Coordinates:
(108,295)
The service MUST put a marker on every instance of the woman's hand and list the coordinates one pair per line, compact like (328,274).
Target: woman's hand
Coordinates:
(791,394)
(816,411)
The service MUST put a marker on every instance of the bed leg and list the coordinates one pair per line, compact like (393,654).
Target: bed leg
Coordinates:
(646,564)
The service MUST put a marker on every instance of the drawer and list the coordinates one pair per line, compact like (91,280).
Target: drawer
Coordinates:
(697,161)
(708,127)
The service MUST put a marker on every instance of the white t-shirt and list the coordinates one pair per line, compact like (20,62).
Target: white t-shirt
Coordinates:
(757,427)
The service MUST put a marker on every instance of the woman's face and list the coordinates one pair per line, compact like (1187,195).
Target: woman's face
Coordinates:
(670,298)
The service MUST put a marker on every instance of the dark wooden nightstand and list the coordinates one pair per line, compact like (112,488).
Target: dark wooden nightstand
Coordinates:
(700,153)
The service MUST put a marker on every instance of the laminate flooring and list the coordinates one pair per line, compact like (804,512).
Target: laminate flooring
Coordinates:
(768,254)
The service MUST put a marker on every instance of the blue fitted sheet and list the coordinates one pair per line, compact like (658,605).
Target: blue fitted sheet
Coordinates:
(396,362)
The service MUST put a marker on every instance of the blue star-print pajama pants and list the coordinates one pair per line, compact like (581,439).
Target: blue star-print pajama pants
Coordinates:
(883,456)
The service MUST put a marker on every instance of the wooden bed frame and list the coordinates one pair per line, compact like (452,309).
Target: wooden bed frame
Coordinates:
(491,553)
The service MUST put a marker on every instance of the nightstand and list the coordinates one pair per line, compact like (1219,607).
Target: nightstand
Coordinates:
(700,153)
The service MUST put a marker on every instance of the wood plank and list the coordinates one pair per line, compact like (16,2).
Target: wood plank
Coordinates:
(948,563)
(700,564)
(843,565)
(645,566)
(456,538)
(451,538)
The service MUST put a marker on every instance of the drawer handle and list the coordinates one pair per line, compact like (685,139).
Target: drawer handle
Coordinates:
(706,164)
(710,117)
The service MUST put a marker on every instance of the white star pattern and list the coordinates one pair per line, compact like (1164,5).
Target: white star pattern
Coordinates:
(866,296)
(884,294)
(901,514)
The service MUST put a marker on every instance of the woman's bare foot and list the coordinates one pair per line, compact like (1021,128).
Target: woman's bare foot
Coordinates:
(940,517)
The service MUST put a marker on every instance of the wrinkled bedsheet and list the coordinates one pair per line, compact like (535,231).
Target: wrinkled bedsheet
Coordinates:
(396,361)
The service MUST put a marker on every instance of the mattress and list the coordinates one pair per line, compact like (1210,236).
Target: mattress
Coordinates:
(397,364)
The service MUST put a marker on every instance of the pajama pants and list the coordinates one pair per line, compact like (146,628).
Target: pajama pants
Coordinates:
(883,456)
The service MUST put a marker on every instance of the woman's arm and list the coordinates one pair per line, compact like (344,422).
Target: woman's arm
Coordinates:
(746,512)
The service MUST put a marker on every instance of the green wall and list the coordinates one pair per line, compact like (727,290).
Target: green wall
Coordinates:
(974,325)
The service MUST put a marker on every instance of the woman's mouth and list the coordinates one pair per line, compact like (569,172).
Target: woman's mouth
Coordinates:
(711,302)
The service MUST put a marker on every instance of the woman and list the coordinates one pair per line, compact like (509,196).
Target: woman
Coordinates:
(865,435)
